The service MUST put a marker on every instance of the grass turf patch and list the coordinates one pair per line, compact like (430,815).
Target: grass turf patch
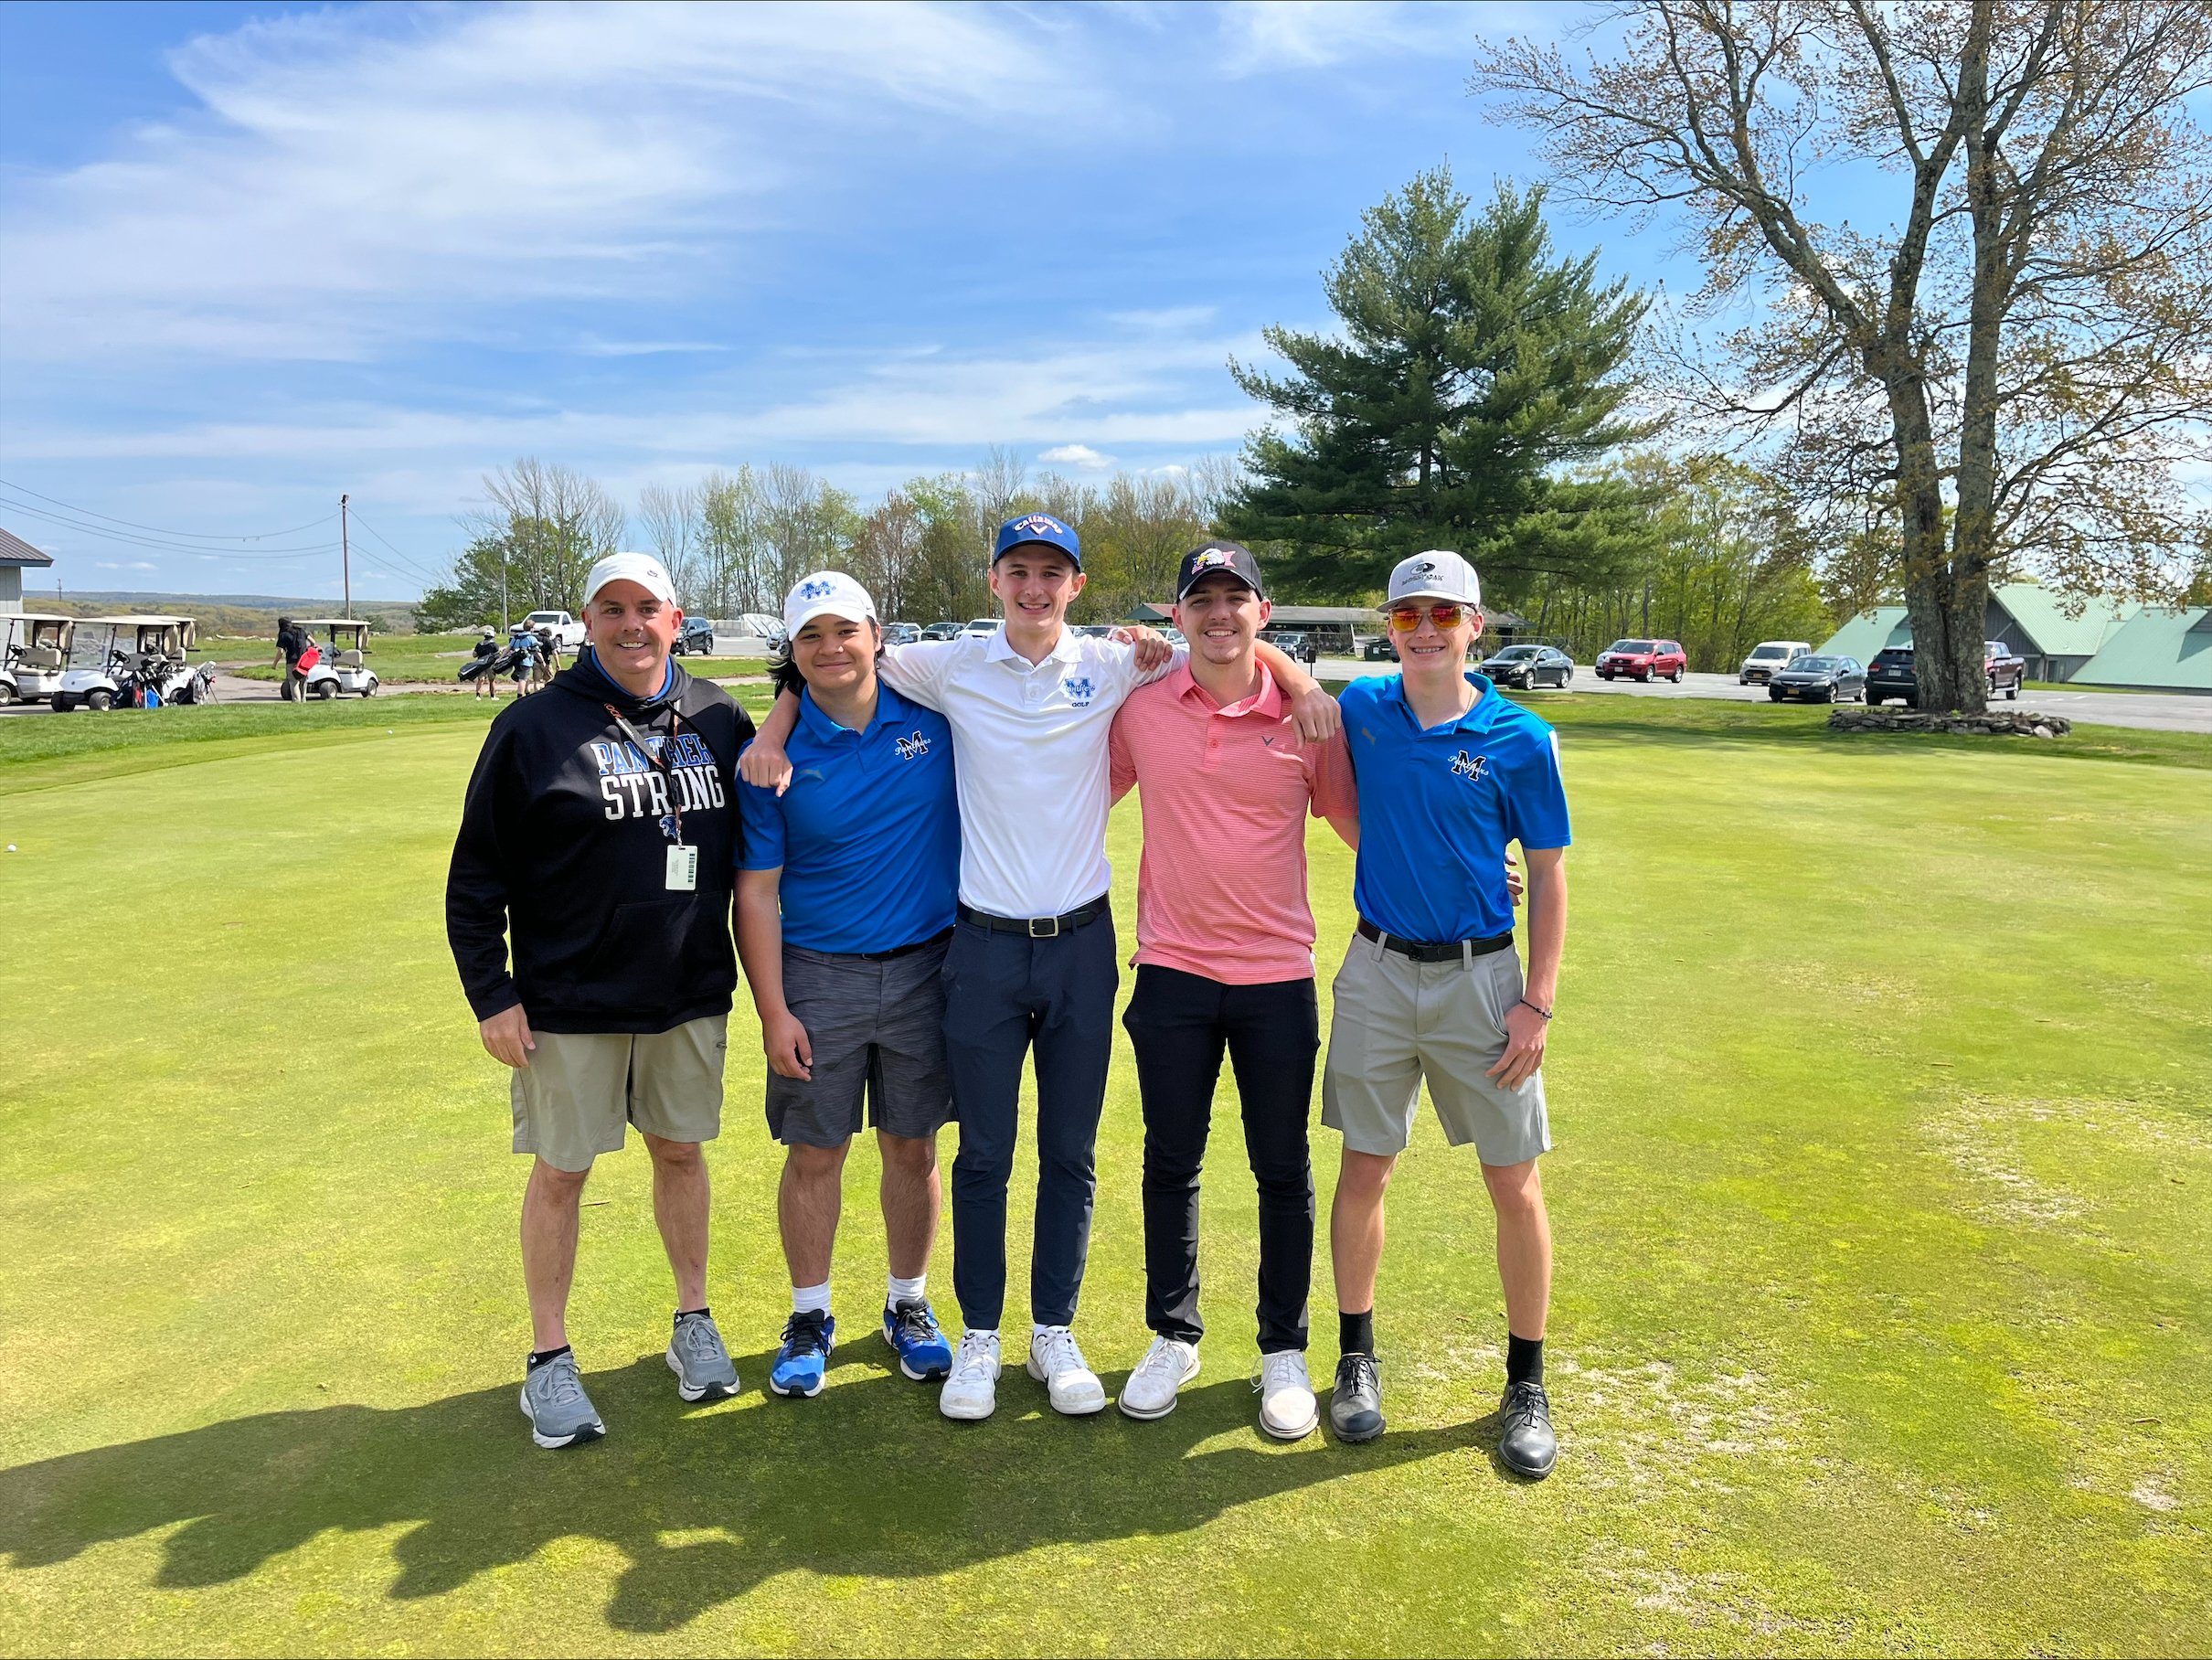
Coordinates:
(1881,1196)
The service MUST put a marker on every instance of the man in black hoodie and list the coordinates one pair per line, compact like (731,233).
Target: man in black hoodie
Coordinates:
(597,847)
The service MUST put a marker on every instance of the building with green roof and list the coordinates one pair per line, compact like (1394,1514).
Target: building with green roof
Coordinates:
(2156,650)
(2107,643)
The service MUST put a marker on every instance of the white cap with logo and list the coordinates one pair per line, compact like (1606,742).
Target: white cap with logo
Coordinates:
(827,593)
(1436,575)
(643,569)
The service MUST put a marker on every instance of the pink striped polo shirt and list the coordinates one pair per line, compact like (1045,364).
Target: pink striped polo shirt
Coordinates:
(1221,889)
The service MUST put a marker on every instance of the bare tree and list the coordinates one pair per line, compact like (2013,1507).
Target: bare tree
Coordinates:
(2014,366)
(551,526)
(674,525)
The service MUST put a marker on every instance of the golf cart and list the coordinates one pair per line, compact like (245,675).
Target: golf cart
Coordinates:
(136,661)
(34,650)
(342,666)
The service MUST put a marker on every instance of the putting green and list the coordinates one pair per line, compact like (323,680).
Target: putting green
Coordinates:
(1882,1197)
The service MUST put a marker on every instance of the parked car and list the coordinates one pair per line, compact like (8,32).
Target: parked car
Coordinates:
(567,631)
(1095,631)
(1890,675)
(901,634)
(1819,679)
(2003,667)
(1293,643)
(983,628)
(1380,650)
(1527,666)
(942,630)
(697,639)
(1645,660)
(1768,655)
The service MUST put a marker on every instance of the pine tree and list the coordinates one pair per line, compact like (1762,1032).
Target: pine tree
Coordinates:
(1474,367)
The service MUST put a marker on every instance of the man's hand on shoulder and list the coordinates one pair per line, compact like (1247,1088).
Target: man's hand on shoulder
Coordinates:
(765,764)
(1317,716)
(1152,651)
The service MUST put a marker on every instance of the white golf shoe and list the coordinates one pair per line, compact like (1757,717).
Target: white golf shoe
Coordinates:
(971,1388)
(1288,1410)
(1169,1365)
(1057,1364)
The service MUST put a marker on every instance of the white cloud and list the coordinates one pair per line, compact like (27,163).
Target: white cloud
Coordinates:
(1260,39)
(1076,455)
(358,177)
(134,565)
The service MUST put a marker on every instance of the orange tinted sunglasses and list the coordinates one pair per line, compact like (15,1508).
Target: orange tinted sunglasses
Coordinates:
(1407,618)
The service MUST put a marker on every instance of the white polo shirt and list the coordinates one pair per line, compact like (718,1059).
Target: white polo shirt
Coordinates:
(1031,745)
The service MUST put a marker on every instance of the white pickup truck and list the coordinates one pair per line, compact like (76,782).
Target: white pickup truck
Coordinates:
(568,633)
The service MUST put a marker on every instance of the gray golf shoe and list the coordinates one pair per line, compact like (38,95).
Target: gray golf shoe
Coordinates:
(1355,1406)
(700,1361)
(553,1399)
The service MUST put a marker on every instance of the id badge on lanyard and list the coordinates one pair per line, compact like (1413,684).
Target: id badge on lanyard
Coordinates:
(683,866)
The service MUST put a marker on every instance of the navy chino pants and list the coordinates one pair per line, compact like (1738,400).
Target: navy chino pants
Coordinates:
(1005,995)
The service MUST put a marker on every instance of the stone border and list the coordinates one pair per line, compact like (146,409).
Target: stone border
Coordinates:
(1996,723)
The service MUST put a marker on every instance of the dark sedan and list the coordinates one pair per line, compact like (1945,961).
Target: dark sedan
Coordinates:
(1380,650)
(942,630)
(1527,666)
(1818,680)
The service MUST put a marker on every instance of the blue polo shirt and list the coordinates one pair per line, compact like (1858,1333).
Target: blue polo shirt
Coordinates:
(1438,807)
(869,833)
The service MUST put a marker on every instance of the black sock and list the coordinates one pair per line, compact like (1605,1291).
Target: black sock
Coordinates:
(1524,1360)
(685,1313)
(1356,1332)
(539,1356)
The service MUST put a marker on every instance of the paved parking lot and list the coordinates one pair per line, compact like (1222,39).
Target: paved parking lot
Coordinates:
(2155,711)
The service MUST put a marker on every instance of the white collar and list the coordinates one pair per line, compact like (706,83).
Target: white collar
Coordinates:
(1064,649)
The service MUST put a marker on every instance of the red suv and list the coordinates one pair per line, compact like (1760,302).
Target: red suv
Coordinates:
(1644,660)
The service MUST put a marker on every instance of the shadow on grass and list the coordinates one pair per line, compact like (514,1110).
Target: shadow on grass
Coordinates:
(865,1479)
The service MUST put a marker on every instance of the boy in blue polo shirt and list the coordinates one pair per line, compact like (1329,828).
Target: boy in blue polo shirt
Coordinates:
(1448,773)
(845,903)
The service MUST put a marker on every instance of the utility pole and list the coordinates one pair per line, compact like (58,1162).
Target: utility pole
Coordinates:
(345,556)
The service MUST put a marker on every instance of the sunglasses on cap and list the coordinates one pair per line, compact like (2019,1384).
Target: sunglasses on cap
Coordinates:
(1405,619)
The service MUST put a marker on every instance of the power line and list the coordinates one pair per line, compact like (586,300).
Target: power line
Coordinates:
(259,535)
(425,577)
(133,540)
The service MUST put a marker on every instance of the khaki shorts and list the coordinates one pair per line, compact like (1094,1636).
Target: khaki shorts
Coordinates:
(581,1090)
(1397,1022)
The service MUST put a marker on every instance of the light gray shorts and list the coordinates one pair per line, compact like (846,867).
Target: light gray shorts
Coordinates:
(876,1030)
(1397,1022)
(582,1089)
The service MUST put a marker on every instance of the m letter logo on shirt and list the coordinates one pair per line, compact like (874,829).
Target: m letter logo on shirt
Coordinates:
(1470,767)
(1081,690)
(910,748)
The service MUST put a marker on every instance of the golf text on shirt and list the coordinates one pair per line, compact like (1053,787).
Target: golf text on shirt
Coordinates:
(1436,809)
(635,787)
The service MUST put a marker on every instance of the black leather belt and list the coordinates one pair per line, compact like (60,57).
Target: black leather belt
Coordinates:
(939,938)
(1421,951)
(1037,928)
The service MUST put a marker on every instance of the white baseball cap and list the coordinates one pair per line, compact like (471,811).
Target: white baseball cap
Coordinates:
(1436,575)
(827,593)
(643,569)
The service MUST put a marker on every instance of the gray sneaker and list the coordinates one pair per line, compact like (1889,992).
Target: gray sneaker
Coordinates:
(553,1399)
(1356,1406)
(700,1362)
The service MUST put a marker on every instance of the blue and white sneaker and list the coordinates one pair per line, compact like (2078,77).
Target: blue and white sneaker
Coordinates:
(804,1360)
(912,1329)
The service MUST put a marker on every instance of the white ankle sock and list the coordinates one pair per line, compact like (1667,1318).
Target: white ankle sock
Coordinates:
(902,1290)
(810,1299)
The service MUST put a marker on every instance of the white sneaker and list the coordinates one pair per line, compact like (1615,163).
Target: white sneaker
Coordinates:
(1169,1365)
(1057,1364)
(972,1387)
(1287,1409)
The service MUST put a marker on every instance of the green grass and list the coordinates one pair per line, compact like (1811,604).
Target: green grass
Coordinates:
(1883,1195)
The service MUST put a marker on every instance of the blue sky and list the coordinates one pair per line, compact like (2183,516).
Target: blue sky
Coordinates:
(256,255)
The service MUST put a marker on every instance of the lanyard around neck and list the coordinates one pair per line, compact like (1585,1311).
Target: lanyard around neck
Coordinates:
(658,762)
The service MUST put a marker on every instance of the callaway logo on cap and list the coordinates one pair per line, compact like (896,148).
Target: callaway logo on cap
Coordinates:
(1040,527)
(1435,575)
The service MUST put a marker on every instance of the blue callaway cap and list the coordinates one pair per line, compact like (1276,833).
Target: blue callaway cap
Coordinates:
(1037,528)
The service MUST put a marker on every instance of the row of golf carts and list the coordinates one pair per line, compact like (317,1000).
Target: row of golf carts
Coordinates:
(100,662)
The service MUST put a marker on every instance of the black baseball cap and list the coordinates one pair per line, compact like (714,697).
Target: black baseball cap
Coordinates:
(1232,557)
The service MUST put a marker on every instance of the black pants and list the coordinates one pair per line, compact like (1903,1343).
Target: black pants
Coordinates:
(1180,1024)
(1004,993)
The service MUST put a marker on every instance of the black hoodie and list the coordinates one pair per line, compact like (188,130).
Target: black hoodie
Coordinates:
(563,850)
